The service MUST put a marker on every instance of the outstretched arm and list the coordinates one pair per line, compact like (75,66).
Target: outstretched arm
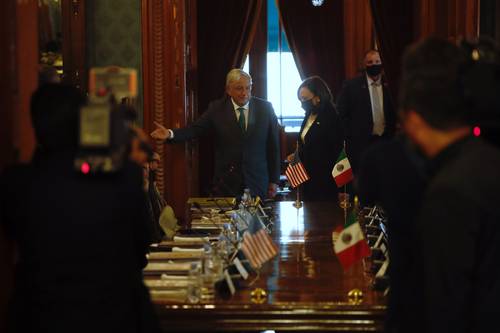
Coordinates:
(196,129)
(160,133)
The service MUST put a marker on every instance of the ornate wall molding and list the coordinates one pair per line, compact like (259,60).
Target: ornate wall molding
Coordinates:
(165,59)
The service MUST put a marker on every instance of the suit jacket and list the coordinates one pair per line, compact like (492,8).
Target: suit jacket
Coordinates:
(392,177)
(458,233)
(354,106)
(319,152)
(242,159)
(82,242)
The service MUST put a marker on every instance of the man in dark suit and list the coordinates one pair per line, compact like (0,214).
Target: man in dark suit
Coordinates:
(458,228)
(366,109)
(246,139)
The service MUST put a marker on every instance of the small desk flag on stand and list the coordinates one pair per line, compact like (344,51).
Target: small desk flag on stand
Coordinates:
(349,242)
(257,246)
(342,172)
(295,172)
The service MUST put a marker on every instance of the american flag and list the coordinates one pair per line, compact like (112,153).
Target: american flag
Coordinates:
(257,245)
(295,172)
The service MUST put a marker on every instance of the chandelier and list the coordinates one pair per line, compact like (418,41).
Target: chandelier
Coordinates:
(317,3)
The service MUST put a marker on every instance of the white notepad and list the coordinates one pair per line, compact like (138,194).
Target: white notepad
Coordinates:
(191,239)
(182,249)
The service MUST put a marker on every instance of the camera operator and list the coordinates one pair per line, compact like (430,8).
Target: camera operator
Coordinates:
(81,238)
(457,233)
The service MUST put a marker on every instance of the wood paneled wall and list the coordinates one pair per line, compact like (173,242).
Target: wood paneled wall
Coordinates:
(166,57)
(26,50)
(75,69)
(19,72)
(8,84)
(27,74)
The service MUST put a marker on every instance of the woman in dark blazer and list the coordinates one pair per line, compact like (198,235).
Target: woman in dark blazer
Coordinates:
(320,139)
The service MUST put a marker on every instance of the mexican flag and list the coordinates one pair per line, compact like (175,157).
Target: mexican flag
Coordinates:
(342,172)
(349,242)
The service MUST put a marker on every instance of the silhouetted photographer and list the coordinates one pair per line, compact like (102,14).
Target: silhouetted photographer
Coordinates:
(81,238)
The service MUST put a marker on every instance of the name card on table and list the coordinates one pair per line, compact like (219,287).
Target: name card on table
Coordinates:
(229,282)
(383,268)
(239,266)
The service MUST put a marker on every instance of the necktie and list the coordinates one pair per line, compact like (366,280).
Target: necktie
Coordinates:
(241,119)
(377,110)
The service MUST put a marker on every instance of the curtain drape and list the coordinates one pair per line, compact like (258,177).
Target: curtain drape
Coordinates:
(394,24)
(316,37)
(225,34)
(399,23)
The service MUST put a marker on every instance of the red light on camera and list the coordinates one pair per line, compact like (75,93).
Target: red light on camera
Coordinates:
(85,168)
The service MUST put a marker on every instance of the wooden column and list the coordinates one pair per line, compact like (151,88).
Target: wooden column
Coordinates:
(191,12)
(165,98)
(19,72)
(8,92)
(8,84)
(27,74)
(74,53)
(19,59)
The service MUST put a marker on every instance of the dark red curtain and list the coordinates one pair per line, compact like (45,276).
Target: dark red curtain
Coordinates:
(394,25)
(316,38)
(225,34)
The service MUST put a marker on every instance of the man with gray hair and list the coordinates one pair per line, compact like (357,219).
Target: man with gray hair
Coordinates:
(246,134)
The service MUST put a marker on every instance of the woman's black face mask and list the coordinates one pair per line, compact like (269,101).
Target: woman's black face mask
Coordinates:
(308,106)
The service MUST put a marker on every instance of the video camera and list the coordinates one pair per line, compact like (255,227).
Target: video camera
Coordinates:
(104,125)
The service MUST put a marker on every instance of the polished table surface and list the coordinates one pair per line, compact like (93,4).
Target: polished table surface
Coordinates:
(306,288)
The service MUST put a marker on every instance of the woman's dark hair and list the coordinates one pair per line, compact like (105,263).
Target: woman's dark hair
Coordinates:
(319,88)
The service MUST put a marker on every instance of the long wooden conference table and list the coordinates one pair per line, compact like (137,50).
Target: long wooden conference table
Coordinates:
(304,288)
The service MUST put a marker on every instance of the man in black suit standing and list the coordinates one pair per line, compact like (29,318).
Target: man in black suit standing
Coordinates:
(246,135)
(366,109)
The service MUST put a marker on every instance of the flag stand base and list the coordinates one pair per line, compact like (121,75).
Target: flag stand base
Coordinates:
(344,201)
(298,204)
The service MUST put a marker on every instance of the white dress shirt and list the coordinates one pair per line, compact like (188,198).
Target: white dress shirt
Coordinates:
(310,120)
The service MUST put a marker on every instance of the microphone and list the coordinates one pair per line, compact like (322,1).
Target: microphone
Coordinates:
(198,206)
(215,201)
(220,181)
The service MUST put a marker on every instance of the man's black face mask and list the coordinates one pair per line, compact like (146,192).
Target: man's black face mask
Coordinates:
(374,70)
